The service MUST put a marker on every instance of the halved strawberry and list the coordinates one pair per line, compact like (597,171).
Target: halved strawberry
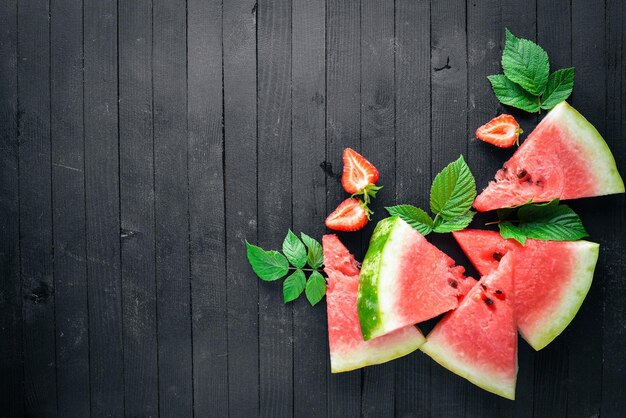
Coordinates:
(350,215)
(502,131)
(358,173)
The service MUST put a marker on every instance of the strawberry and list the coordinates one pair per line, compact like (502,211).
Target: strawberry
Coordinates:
(358,173)
(502,131)
(351,215)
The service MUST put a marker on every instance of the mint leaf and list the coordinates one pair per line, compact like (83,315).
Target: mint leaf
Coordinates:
(551,222)
(315,288)
(456,224)
(525,63)
(559,88)
(268,265)
(315,254)
(510,231)
(294,285)
(453,190)
(415,217)
(294,250)
(512,94)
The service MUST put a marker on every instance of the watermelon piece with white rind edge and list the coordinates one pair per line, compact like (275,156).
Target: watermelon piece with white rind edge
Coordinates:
(405,280)
(564,157)
(478,340)
(552,278)
(348,350)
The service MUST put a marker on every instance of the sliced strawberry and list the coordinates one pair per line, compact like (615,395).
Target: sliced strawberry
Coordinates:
(350,215)
(358,173)
(502,131)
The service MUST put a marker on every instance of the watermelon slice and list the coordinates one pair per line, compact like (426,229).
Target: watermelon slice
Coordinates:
(563,157)
(348,350)
(478,341)
(405,280)
(552,278)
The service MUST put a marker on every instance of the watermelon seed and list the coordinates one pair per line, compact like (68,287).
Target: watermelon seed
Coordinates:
(522,174)
(499,294)
(488,301)
(453,283)
(497,256)
(483,286)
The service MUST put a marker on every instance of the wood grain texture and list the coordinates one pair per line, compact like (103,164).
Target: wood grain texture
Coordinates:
(136,142)
(68,209)
(311,362)
(102,207)
(206,208)
(11,349)
(35,201)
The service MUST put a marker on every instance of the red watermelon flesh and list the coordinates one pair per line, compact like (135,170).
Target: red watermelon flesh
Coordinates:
(348,350)
(552,278)
(564,157)
(478,340)
(405,280)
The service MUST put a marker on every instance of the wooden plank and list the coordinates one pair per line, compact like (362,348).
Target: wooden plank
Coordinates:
(310,332)
(378,145)
(36,208)
(274,199)
(137,208)
(588,56)
(413,177)
(206,208)
(172,209)
(12,378)
(68,202)
(343,129)
(102,207)
(448,131)
(613,330)
(240,142)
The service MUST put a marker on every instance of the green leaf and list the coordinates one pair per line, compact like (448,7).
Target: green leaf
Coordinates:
(525,63)
(510,231)
(415,217)
(512,94)
(552,222)
(268,265)
(456,224)
(559,88)
(453,190)
(315,288)
(294,285)
(315,255)
(294,250)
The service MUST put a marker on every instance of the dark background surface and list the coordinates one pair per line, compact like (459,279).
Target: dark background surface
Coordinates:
(142,141)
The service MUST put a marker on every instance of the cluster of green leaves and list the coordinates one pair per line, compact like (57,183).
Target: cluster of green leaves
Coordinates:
(451,197)
(527,83)
(544,221)
(272,265)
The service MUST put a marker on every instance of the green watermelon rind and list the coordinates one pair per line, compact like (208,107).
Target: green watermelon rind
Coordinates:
(441,353)
(607,178)
(587,257)
(380,262)
(409,341)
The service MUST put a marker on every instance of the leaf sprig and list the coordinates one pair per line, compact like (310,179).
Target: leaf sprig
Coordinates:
(544,221)
(527,83)
(451,196)
(272,265)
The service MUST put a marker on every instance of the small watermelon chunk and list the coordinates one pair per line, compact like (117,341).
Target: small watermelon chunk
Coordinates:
(552,278)
(564,157)
(405,280)
(348,350)
(478,340)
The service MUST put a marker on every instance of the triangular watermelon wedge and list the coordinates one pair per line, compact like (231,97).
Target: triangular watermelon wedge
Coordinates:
(348,350)
(405,280)
(564,157)
(552,278)
(478,340)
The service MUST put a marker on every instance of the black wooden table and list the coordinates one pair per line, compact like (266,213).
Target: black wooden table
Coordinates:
(143,140)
